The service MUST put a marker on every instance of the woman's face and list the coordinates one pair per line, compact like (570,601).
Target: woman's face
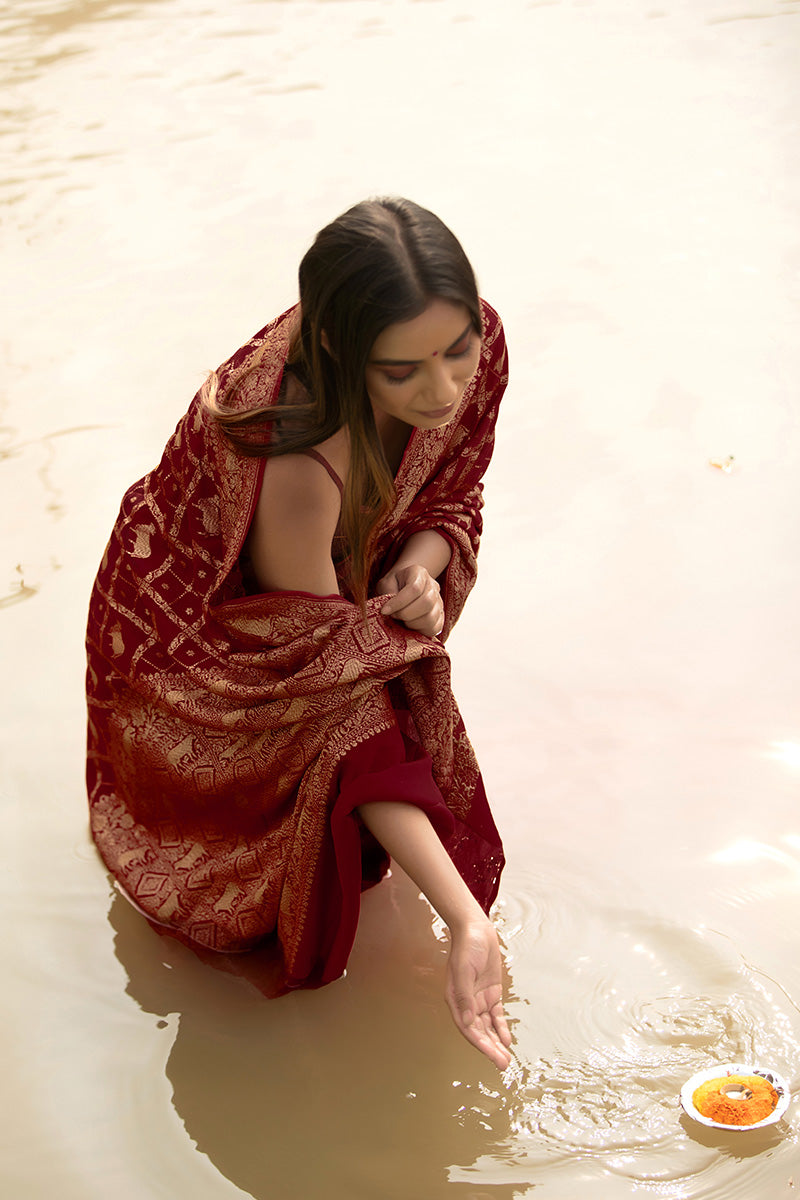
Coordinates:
(418,370)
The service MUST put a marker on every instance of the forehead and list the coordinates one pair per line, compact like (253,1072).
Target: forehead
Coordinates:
(432,332)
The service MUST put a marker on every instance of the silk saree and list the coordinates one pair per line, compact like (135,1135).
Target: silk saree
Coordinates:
(232,736)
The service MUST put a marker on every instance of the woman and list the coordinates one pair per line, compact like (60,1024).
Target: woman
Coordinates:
(270,712)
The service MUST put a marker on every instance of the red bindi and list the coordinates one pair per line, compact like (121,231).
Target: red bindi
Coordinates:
(434,353)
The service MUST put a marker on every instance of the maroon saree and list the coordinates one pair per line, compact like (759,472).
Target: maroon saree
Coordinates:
(231,737)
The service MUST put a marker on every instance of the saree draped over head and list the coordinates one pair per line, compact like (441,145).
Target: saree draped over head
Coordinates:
(232,736)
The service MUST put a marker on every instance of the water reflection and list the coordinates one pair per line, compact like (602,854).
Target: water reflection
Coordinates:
(612,1011)
(345,1091)
(786,752)
(748,851)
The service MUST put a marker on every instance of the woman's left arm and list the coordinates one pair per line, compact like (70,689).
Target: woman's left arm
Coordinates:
(474,991)
(411,584)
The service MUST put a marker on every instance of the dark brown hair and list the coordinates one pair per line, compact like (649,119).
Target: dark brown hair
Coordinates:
(380,263)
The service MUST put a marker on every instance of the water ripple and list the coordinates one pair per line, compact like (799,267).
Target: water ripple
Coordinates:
(622,1007)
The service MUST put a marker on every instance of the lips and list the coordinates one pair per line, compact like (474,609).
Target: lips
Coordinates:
(440,412)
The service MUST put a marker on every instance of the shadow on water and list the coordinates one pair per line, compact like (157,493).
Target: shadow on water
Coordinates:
(22,591)
(354,1090)
(733,1145)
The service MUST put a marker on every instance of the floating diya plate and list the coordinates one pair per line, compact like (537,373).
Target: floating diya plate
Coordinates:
(735,1093)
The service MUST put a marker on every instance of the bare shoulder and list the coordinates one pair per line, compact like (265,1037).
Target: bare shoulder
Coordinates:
(336,451)
(298,482)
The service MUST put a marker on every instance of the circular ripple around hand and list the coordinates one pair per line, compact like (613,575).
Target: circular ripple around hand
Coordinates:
(612,1011)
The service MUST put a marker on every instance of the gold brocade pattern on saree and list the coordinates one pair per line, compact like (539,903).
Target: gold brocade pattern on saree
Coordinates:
(218,720)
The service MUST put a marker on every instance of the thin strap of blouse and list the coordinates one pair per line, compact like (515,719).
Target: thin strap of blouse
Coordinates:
(321,459)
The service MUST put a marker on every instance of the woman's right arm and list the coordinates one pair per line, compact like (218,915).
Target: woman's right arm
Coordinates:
(290,537)
(411,584)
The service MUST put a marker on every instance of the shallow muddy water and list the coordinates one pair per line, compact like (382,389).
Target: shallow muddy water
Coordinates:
(625,179)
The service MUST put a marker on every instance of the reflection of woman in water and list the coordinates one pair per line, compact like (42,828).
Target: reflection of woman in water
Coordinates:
(270,712)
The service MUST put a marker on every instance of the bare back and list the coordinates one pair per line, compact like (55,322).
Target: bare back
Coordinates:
(295,520)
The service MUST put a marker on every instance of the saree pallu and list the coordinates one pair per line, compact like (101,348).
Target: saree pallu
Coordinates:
(232,737)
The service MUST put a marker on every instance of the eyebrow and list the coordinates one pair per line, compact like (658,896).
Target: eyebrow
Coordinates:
(412,362)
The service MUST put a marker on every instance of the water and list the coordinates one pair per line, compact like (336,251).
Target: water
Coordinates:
(625,180)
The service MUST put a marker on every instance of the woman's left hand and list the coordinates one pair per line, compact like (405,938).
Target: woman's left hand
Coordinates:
(415,599)
(474,991)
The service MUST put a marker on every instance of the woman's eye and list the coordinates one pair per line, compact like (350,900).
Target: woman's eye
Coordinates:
(461,348)
(399,376)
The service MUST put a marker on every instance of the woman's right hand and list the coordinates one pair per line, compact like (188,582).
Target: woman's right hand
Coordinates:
(414,598)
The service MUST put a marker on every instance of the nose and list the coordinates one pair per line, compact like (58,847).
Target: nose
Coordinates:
(443,384)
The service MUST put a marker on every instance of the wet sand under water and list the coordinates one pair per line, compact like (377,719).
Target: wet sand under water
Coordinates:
(625,179)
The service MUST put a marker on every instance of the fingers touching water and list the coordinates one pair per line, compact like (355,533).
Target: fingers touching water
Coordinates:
(474,968)
(474,991)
